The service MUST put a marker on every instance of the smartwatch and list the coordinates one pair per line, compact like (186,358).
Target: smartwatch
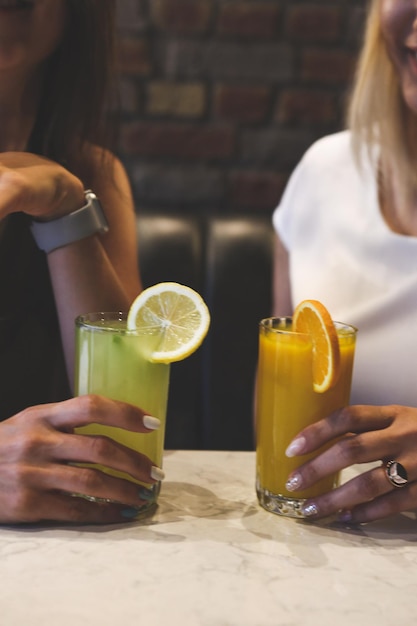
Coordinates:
(82,223)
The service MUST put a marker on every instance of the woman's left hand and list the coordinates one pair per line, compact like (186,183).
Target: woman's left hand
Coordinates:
(359,434)
(37,186)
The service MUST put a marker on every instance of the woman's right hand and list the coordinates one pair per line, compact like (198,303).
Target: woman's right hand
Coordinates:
(38,449)
(353,435)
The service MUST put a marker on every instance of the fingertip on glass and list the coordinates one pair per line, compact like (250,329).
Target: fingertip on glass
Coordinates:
(293,483)
(296,447)
(310,509)
(157,473)
(151,423)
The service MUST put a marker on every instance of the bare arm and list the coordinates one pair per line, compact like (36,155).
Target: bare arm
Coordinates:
(94,274)
(99,273)
(282,303)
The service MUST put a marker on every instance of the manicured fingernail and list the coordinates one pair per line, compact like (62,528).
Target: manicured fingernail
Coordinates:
(293,483)
(309,510)
(296,446)
(345,516)
(152,423)
(129,513)
(157,473)
(146,494)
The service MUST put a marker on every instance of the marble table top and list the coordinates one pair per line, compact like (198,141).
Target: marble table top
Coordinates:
(210,556)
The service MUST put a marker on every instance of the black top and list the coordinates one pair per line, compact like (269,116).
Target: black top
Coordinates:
(32,367)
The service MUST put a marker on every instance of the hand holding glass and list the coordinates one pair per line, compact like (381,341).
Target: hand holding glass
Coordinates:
(112,361)
(286,403)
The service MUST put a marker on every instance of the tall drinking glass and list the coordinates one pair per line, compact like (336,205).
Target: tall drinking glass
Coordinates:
(286,403)
(112,361)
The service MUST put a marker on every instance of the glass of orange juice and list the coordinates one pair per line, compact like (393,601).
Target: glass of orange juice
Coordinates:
(286,402)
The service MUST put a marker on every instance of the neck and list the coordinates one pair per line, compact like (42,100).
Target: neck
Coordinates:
(398,205)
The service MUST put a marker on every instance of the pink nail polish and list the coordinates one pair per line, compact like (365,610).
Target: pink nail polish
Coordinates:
(296,447)
(309,510)
(293,483)
(157,473)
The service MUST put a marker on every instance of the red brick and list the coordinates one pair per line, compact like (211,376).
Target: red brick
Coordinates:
(241,103)
(314,23)
(301,52)
(248,19)
(178,141)
(256,190)
(174,99)
(182,16)
(133,56)
(327,66)
(307,106)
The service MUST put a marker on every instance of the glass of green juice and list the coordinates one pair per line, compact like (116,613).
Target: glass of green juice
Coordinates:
(113,362)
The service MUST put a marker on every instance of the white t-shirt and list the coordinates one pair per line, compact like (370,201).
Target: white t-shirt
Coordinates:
(343,253)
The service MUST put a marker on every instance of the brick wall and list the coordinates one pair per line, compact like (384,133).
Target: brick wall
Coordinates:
(220,98)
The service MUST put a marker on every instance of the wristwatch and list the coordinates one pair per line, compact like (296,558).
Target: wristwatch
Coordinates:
(84,222)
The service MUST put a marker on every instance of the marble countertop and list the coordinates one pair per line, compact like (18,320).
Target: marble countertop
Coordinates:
(210,556)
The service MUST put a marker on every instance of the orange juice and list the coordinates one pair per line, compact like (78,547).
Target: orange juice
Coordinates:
(286,403)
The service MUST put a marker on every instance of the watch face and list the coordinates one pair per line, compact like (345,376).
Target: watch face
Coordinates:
(94,205)
(90,195)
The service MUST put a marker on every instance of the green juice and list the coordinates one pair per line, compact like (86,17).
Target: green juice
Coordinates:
(112,361)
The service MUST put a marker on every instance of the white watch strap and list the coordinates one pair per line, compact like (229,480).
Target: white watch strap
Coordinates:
(82,223)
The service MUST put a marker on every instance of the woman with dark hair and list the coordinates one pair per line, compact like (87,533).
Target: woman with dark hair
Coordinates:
(62,253)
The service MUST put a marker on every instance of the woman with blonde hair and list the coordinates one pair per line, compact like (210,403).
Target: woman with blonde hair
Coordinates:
(347,235)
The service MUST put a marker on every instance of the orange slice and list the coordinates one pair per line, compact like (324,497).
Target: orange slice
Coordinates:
(312,318)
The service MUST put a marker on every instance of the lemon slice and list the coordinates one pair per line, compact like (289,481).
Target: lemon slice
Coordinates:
(175,316)
(311,317)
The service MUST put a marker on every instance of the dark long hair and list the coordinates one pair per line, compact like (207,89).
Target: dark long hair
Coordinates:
(78,84)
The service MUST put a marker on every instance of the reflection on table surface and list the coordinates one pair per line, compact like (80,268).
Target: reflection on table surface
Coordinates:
(210,556)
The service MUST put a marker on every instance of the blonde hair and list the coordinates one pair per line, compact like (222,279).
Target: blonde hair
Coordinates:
(377,112)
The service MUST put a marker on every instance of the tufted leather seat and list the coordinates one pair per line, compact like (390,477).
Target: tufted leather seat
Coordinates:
(228,260)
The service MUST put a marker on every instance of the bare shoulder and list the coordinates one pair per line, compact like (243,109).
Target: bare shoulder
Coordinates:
(104,173)
(96,165)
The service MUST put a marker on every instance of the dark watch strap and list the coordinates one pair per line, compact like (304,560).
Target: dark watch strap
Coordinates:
(79,224)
